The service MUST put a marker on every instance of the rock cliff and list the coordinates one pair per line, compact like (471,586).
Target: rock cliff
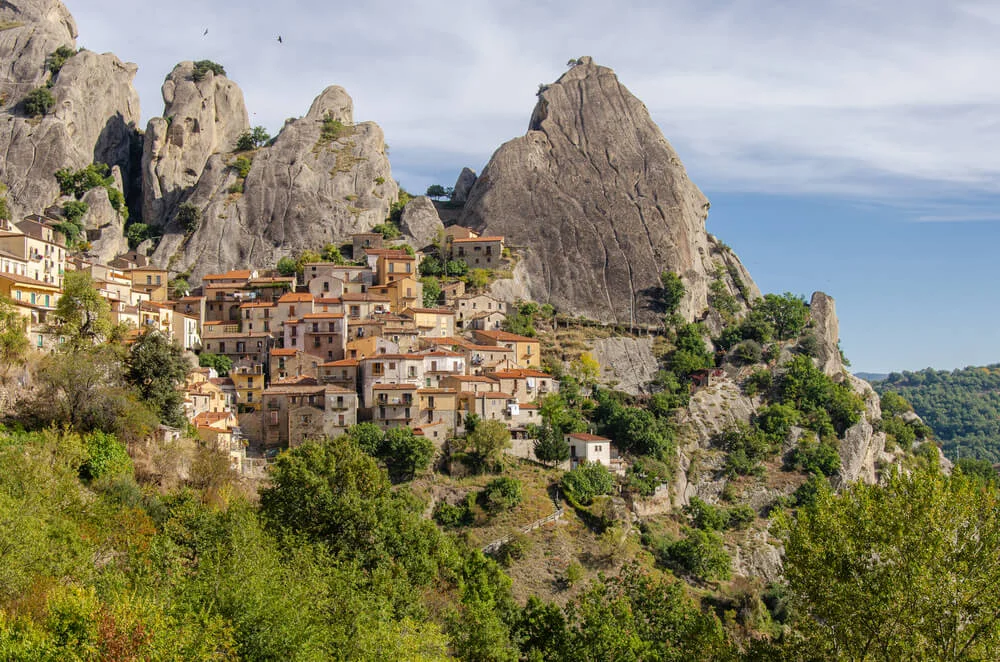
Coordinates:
(200,118)
(93,118)
(600,204)
(323,178)
(420,221)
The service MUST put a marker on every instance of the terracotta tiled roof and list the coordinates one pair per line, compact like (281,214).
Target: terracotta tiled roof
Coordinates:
(236,274)
(345,363)
(294,297)
(283,351)
(475,239)
(519,374)
(394,387)
(585,436)
(505,336)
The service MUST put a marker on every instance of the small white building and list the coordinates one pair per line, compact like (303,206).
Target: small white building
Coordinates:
(585,447)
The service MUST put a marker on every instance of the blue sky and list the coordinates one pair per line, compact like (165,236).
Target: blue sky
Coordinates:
(845,146)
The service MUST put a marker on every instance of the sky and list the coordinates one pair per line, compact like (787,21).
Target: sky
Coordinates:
(848,147)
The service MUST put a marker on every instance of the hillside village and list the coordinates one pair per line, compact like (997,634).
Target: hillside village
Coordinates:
(314,353)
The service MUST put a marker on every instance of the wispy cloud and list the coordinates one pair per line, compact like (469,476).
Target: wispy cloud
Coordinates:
(866,99)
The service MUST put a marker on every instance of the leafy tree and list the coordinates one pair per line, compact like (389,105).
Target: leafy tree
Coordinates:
(432,291)
(38,102)
(331,253)
(700,554)
(189,217)
(748,352)
(646,474)
(519,322)
(431,266)
(369,437)
(57,58)
(690,353)
(908,570)
(479,279)
(13,337)
(222,363)
(704,515)
(456,268)
(406,453)
(979,470)
(85,314)
(389,231)
(502,494)
(156,367)
(588,481)
(746,447)
(816,456)
(787,313)
(673,291)
(586,369)
(136,234)
(179,287)
(286,266)
(436,191)
(106,457)
(252,139)
(488,441)
(550,445)
(78,182)
(894,404)
(809,345)
(202,67)
(826,405)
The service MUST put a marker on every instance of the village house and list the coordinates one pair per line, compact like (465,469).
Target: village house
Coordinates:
(322,335)
(470,383)
(185,331)
(326,286)
(291,307)
(438,405)
(220,338)
(158,316)
(151,281)
(365,241)
(390,369)
(288,362)
(485,321)
(304,409)
(488,405)
(484,359)
(343,373)
(527,351)
(217,429)
(258,316)
(439,322)
(204,396)
(269,288)
(248,377)
(356,279)
(450,292)
(390,265)
(453,232)
(224,293)
(38,249)
(403,292)
(364,305)
(12,264)
(371,345)
(526,385)
(585,447)
(194,306)
(478,252)
(123,313)
(394,405)
(440,364)
(34,299)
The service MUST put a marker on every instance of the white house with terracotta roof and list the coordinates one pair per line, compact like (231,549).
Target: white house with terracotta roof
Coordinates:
(586,447)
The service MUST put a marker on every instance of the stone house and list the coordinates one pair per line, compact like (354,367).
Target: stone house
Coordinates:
(295,411)
(438,405)
(365,305)
(258,316)
(478,252)
(394,405)
(439,322)
(288,362)
(390,369)
(323,335)
(527,351)
(249,380)
(472,306)
(403,292)
(526,385)
(440,364)
(343,373)
(292,306)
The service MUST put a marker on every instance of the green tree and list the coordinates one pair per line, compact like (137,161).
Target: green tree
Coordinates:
(908,570)
(479,279)
(488,442)
(13,337)
(189,217)
(432,291)
(286,266)
(57,58)
(369,437)
(331,253)
(222,363)
(85,314)
(787,313)
(136,234)
(389,231)
(106,457)
(156,367)
(4,206)
(588,481)
(673,291)
(436,191)
(502,494)
(38,102)
(252,139)
(550,445)
(456,268)
(700,554)
(406,453)
(202,67)
(431,266)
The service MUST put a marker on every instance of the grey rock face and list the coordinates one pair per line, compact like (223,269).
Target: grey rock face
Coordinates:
(823,311)
(94,114)
(627,363)
(313,186)
(199,119)
(600,204)
(35,29)
(862,448)
(420,220)
(105,227)
(463,185)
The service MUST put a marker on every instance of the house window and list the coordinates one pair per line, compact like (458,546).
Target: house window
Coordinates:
(249,396)
(222,348)
(41,340)
(291,310)
(392,365)
(158,281)
(149,280)
(413,371)
(378,369)
(326,286)
(47,300)
(597,449)
(340,420)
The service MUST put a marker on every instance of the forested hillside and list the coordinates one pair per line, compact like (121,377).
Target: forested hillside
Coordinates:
(961,406)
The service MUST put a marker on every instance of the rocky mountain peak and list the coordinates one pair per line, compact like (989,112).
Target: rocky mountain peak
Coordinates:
(29,31)
(200,118)
(602,204)
(333,102)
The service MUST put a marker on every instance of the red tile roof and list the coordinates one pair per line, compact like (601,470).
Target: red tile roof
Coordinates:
(505,336)
(585,436)
(291,297)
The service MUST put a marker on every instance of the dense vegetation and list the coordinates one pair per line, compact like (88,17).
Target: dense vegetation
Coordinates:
(962,407)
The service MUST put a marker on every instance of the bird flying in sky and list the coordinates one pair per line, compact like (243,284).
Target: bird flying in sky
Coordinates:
(206,32)
(279,39)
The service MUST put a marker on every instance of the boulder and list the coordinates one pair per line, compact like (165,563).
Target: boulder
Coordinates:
(420,221)
(466,180)
(602,206)
(323,178)
(199,119)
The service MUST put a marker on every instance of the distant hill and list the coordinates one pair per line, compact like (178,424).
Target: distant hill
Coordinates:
(871,376)
(961,406)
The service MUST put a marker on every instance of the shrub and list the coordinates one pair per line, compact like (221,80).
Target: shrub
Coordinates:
(748,352)
(739,517)
(809,345)
(38,102)
(222,363)
(704,515)
(237,187)
(242,165)
(57,58)
(452,517)
(387,230)
(501,494)
(646,474)
(333,129)
(456,268)
(700,554)
(587,481)
(106,457)
(252,139)
(816,457)
(758,382)
(514,549)
(431,266)
(137,233)
(189,217)
(672,292)
(202,67)
(746,447)
(74,210)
